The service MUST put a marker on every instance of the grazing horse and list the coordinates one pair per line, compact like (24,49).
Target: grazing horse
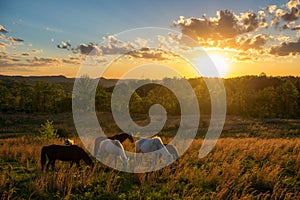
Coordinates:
(145,145)
(112,147)
(72,153)
(120,137)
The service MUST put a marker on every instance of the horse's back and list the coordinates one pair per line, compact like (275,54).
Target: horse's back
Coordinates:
(99,139)
(141,141)
(64,153)
(109,146)
(145,145)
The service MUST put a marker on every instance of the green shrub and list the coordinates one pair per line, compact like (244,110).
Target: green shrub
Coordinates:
(47,131)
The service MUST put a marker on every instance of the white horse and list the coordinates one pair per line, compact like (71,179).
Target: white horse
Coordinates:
(150,145)
(112,147)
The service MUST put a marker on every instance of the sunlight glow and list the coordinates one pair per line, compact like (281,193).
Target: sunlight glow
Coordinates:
(220,63)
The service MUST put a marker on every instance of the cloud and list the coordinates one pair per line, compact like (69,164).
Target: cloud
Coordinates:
(12,39)
(246,43)
(286,48)
(292,4)
(271,9)
(276,17)
(9,41)
(153,54)
(116,49)
(283,38)
(243,31)
(258,41)
(36,51)
(64,45)
(245,57)
(286,26)
(2,45)
(84,49)
(17,60)
(296,28)
(113,47)
(250,22)
(222,27)
(3,30)
(41,61)
(291,16)
(56,30)
(288,14)
(87,49)
(72,61)
(226,25)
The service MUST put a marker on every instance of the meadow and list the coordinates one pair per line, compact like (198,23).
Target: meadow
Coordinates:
(253,159)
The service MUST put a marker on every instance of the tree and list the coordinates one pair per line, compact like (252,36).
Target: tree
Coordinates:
(47,131)
(102,99)
(287,101)
(264,103)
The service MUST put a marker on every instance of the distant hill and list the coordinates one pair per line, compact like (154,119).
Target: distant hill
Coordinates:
(57,79)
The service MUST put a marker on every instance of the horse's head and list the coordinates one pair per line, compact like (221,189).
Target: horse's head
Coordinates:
(88,161)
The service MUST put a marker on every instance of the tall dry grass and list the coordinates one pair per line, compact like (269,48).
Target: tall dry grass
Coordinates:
(245,168)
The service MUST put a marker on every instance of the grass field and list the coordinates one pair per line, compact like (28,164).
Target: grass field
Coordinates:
(253,160)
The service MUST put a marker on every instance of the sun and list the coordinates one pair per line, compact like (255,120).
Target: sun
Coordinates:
(212,65)
(220,63)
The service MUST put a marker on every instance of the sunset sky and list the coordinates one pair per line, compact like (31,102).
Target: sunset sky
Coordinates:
(241,37)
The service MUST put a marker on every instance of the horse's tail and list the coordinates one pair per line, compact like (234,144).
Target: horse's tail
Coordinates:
(96,147)
(43,157)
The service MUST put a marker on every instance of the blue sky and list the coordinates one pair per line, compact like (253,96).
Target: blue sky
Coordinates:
(45,24)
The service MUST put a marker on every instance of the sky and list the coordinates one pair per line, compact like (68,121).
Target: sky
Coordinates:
(239,37)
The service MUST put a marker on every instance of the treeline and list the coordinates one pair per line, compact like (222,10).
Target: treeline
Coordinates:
(250,96)
(42,96)
(263,97)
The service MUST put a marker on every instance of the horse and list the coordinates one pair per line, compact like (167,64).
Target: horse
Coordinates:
(150,145)
(120,137)
(72,153)
(112,147)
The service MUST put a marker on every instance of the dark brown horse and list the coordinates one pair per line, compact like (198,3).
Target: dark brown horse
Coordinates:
(121,137)
(71,153)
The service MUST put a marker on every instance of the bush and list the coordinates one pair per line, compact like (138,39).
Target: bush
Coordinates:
(47,131)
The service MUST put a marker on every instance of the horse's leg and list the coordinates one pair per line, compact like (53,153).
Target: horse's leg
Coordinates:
(153,160)
(53,164)
(48,164)
(137,155)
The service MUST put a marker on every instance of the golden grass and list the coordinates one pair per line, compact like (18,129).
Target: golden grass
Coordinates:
(245,168)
